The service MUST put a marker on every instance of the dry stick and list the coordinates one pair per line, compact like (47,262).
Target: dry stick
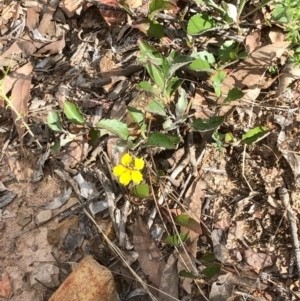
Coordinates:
(285,198)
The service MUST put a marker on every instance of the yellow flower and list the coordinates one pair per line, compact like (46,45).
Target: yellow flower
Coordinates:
(129,170)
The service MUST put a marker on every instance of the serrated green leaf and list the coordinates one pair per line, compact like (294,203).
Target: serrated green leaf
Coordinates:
(155,106)
(73,113)
(182,103)
(137,115)
(188,222)
(204,125)
(160,140)
(54,121)
(233,95)
(199,64)
(140,191)
(114,126)
(177,63)
(147,87)
(200,23)
(187,274)
(255,135)
(174,239)
(212,270)
(207,258)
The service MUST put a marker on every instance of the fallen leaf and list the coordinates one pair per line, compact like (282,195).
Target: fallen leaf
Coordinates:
(20,95)
(251,72)
(150,258)
(48,12)
(253,40)
(69,7)
(5,286)
(52,48)
(276,34)
(32,17)
(258,260)
(111,17)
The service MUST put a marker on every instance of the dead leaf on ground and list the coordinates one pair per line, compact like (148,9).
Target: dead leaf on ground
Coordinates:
(289,73)
(169,280)
(150,258)
(48,12)
(251,72)
(253,40)
(52,48)
(20,95)
(5,286)
(221,289)
(69,7)
(32,17)
(112,18)
(258,260)
(134,3)
(276,34)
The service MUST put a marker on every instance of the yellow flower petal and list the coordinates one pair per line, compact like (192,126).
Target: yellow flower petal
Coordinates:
(126,160)
(139,163)
(119,170)
(125,178)
(136,176)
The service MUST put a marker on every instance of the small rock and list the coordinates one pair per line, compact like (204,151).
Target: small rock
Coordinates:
(43,216)
(89,282)
(45,273)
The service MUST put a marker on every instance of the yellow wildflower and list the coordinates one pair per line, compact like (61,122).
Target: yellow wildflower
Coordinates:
(129,170)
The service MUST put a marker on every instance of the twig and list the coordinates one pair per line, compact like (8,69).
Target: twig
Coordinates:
(285,198)
(248,296)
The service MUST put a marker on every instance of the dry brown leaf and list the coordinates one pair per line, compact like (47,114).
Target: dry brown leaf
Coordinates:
(258,260)
(52,48)
(111,17)
(253,40)
(20,95)
(251,72)
(69,7)
(48,13)
(76,152)
(149,255)
(134,3)
(289,73)
(5,286)
(32,17)
(169,280)
(276,34)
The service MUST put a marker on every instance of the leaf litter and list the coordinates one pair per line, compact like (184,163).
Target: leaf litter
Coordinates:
(68,47)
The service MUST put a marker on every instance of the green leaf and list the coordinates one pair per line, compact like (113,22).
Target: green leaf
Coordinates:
(217,78)
(137,115)
(158,5)
(228,51)
(174,239)
(140,191)
(199,65)
(187,274)
(255,135)
(147,87)
(204,125)
(155,106)
(173,84)
(54,121)
(182,103)
(212,270)
(205,56)
(155,30)
(156,75)
(177,63)
(188,222)
(161,140)
(56,146)
(200,23)
(207,258)
(73,113)
(168,124)
(147,50)
(174,139)
(234,94)
(114,126)
(94,136)
(229,138)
